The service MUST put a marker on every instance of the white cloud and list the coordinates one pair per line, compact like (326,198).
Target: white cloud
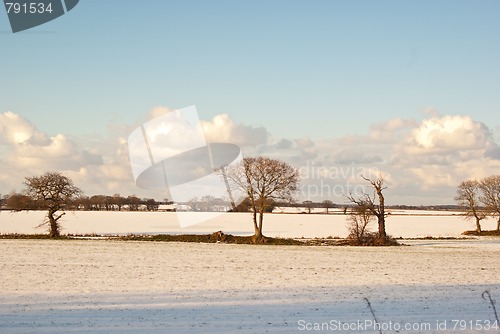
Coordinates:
(446,134)
(442,151)
(222,129)
(158,111)
(423,161)
(391,130)
(27,151)
(29,148)
(17,130)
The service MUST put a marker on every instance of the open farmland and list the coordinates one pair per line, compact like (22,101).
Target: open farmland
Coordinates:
(406,224)
(85,286)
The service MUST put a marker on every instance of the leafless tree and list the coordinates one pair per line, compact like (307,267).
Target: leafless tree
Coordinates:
(19,202)
(119,201)
(83,203)
(308,205)
(357,224)
(261,180)
(327,204)
(52,191)
(133,203)
(490,197)
(151,204)
(98,202)
(468,194)
(369,203)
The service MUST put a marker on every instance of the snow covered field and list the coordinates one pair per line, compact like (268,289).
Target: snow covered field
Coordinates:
(90,286)
(407,224)
(103,286)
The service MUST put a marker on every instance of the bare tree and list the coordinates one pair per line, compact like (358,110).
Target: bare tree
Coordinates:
(468,194)
(369,203)
(119,201)
(133,203)
(263,180)
(490,187)
(98,202)
(327,204)
(19,202)
(151,204)
(53,191)
(308,205)
(357,224)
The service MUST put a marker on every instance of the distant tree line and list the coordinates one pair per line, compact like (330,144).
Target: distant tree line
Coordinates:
(24,201)
(208,203)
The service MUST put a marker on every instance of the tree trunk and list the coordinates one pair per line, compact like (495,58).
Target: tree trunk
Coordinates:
(261,219)
(381,227)
(256,227)
(381,215)
(478,225)
(498,224)
(54,226)
(258,236)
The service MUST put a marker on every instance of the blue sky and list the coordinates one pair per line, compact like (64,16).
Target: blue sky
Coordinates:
(319,69)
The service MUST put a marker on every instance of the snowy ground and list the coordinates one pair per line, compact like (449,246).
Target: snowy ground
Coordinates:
(407,224)
(90,286)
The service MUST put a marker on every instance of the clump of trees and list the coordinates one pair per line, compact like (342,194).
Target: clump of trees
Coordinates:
(480,199)
(358,226)
(209,203)
(262,181)
(367,207)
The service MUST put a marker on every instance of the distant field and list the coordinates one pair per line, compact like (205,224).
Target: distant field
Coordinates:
(406,224)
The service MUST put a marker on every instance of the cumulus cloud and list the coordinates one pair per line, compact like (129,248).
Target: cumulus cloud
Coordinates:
(448,134)
(391,130)
(17,130)
(221,128)
(97,164)
(27,147)
(423,161)
(442,151)
(27,151)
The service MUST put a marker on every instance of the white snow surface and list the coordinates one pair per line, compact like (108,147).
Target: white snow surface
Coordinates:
(406,224)
(104,286)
